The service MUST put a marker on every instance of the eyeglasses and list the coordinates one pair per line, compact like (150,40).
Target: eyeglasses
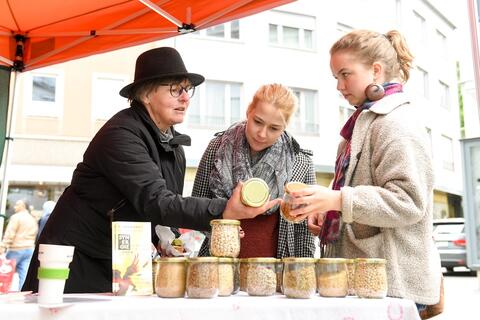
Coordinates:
(176,89)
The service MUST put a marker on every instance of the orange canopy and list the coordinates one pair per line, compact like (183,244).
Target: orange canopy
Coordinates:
(35,34)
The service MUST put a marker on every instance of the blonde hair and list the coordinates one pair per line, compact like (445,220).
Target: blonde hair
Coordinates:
(277,95)
(390,49)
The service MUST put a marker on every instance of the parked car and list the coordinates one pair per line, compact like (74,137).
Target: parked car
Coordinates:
(449,236)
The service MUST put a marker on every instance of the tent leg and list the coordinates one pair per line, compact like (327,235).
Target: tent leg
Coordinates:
(7,151)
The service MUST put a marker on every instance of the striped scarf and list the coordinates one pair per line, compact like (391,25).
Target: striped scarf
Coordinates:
(331,225)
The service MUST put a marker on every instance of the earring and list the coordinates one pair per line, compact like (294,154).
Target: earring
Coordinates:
(374,92)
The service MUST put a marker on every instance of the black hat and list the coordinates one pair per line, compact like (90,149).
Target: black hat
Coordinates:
(160,63)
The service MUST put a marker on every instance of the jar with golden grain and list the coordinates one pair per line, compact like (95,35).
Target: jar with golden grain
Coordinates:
(170,277)
(351,276)
(226,276)
(332,277)
(202,277)
(370,278)
(243,270)
(299,277)
(261,276)
(279,271)
(225,238)
(286,206)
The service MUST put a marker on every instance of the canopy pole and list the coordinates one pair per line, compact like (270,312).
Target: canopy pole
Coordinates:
(7,152)
(472,17)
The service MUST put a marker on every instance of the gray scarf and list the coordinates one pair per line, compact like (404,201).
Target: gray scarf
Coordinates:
(232,164)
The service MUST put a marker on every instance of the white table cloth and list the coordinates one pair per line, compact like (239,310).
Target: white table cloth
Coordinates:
(240,306)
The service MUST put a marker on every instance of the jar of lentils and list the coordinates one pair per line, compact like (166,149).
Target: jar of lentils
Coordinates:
(225,238)
(351,276)
(202,277)
(261,276)
(226,276)
(279,271)
(332,277)
(243,270)
(370,278)
(170,277)
(299,277)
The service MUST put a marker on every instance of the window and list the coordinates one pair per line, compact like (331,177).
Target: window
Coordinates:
(447,153)
(305,119)
(291,30)
(442,48)
(230,30)
(419,82)
(44,94)
(105,98)
(419,31)
(216,104)
(344,113)
(444,95)
(430,140)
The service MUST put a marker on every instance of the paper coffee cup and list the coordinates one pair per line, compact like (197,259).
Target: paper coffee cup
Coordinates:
(53,271)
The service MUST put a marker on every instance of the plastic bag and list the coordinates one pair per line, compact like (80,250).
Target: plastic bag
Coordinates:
(7,270)
(166,236)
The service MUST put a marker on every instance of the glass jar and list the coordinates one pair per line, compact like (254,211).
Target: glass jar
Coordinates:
(370,278)
(243,270)
(255,192)
(332,277)
(279,271)
(261,276)
(202,277)
(236,275)
(170,277)
(226,276)
(225,238)
(299,277)
(286,206)
(351,277)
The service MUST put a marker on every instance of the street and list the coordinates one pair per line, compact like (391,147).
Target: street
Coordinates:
(462,296)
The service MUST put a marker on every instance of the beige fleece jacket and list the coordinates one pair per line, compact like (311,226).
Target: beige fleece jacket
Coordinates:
(387,200)
(21,231)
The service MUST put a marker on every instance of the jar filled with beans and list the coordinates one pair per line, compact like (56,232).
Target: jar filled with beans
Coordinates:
(299,277)
(279,271)
(370,278)
(243,270)
(261,276)
(351,276)
(332,277)
(225,238)
(226,276)
(202,277)
(170,277)
(236,275)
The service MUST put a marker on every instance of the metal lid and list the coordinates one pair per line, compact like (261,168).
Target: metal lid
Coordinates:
(226,260)
(332,260)
(203,259)
(350,261)
(370,260)
(171,259)
(294,186)
(261,260)
(255,192)
(298,260)
(225,221)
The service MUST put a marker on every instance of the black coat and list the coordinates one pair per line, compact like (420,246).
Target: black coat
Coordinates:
(127,166)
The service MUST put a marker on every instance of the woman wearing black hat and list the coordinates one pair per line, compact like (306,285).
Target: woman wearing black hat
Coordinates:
(133,170)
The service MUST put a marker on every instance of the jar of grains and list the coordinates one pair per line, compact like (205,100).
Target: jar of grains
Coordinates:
(243,270)
(351,276)
(255,192)
(202,277)
(299,277)
(226,276)
(332,277)
(236,275)
(170,277)
(225,238)
(279,271)
(261,276)
(370,278)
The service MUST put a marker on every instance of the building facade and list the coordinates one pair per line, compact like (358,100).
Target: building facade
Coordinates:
(58,109)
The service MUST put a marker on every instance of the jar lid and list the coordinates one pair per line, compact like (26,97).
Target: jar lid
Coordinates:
(298,260)
(171,259)
(294,186)
(350,261)
(261,260)
(226,260)
(370,260)
(203,259)
(255,192)
(225,221)
(332,260)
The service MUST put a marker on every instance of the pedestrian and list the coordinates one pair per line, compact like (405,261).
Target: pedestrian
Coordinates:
(133,170)
(260,147)
(381,202)
(48,207)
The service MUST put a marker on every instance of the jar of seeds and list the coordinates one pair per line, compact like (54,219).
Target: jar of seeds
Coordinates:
(255,192)
(279,271)
(202,277)
(261,276)
(370,278)
(226,276)
(243,270)
(332,278)
(299,277)
(225,238)
(236,275)
(170,277)
(351,276)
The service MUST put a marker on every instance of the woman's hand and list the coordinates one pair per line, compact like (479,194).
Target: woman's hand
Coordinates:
(315,201)
(315,222)
(235,209)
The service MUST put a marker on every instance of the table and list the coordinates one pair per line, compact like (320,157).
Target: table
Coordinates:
(240,306)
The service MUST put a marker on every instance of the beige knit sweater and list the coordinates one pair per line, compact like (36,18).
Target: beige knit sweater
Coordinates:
(387,200)
(21,231)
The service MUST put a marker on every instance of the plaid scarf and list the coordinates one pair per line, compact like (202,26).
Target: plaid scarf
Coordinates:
(331,225)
